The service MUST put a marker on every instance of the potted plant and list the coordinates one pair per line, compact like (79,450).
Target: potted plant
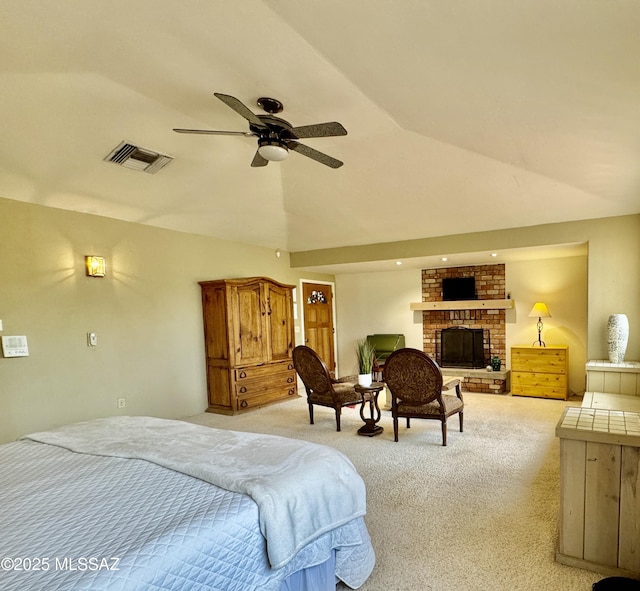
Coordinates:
(366,356)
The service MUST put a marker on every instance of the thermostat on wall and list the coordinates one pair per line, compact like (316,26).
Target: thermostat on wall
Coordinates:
(15,346)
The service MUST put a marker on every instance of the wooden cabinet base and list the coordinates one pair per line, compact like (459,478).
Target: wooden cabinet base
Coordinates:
(595,567)
(599,505)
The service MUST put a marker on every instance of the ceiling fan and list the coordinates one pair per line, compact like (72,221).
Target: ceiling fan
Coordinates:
(276,136)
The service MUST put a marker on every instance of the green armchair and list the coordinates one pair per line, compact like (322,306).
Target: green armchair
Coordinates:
(384,345)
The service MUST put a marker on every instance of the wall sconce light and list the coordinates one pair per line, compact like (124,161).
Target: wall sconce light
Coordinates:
(540,311)
(95,266)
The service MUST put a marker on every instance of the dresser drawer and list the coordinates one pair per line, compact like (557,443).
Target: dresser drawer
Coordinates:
(544,385)
(253,387)
(540,360)
(262,371)
(261,398)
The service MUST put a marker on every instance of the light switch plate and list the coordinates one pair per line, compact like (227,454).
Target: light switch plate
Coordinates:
(15,346)
(92,339)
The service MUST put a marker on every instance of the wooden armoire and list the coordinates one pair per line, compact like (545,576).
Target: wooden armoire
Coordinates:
(249,339)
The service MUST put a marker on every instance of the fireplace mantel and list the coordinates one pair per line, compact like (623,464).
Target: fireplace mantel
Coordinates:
(463,305)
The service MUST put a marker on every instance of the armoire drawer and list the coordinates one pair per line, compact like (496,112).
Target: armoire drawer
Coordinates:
(253,387)
(255,400)
(262,371)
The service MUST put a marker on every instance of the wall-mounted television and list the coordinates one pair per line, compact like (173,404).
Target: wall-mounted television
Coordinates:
(459,288)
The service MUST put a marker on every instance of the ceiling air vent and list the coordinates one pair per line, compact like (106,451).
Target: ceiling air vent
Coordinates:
(143,159)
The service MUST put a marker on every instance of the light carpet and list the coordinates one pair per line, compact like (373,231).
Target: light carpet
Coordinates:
(479,514)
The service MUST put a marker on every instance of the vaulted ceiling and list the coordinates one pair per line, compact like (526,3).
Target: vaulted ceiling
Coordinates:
(462,116)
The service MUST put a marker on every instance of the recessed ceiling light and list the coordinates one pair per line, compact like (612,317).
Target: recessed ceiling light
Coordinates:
(444,259)
(398,263)
(494,254)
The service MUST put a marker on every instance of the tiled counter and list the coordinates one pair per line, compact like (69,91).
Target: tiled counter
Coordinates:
(617,427)
(600,488)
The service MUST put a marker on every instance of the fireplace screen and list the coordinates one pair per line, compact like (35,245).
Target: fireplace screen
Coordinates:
(462,347)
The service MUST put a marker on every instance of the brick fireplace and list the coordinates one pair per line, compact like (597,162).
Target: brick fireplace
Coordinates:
(490,285)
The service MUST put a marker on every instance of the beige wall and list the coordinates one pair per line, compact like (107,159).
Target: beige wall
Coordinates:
(562,285)
(614,282)
(613,271)
(146,313)
(379,303)
(368,303)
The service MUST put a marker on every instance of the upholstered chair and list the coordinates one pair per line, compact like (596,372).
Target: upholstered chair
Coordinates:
(321,388)
(415,382)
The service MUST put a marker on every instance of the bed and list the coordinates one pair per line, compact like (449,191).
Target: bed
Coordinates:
(139,503)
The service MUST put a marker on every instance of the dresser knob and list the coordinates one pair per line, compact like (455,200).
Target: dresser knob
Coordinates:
(243,390)
(243,374)
(244,404)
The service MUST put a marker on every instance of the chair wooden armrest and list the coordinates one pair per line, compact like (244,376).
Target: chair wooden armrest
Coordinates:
(346,379)
(449,382)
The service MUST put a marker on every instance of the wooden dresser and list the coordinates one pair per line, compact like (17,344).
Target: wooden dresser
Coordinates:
(540,371)
(249,336)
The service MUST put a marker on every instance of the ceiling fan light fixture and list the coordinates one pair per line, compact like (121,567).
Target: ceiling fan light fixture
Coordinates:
(275,136)
(272,150)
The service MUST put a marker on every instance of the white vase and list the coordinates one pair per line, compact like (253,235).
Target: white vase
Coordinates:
(365,379)
(618,336)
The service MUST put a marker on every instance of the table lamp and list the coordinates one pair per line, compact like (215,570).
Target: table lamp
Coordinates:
(540,311)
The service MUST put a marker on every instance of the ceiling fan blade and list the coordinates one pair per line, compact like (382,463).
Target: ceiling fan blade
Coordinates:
(259,160)
(319,130)
(214,132)
(314,154)
(240,108)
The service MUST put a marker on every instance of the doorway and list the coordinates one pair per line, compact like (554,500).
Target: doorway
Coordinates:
(318,321)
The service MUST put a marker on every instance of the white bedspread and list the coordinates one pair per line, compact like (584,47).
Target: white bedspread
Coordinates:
(302,489)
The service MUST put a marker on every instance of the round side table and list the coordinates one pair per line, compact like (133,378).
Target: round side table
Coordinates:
(370,394)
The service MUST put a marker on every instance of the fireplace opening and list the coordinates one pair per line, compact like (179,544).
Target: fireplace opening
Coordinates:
(459,346)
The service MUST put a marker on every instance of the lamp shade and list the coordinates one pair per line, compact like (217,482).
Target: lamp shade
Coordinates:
(539,310)
(272,150)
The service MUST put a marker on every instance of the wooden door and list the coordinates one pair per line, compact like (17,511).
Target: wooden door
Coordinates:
(248,309)
(317,301)
(280,314)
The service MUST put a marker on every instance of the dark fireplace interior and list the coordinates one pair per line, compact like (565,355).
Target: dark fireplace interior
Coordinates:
(463,347)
